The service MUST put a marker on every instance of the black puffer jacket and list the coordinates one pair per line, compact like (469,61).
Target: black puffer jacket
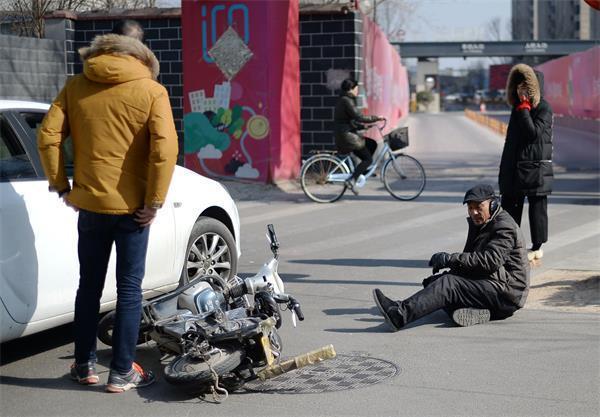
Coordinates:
(526,165)
(346,118)
(496,252)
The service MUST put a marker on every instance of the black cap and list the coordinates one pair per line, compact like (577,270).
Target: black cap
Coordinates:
(479,193)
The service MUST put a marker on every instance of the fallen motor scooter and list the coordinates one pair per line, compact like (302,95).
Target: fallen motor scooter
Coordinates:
(215,337)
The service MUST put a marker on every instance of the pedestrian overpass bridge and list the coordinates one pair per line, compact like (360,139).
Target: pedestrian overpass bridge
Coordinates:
(554,48)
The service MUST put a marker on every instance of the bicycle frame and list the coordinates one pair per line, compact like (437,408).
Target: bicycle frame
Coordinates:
(348,163)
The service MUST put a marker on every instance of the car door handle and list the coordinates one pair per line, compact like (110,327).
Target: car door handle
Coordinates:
(177,204)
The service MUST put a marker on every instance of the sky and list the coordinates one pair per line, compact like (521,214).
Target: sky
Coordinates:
(456,20)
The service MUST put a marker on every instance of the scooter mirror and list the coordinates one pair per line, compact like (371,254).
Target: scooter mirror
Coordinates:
(272,237)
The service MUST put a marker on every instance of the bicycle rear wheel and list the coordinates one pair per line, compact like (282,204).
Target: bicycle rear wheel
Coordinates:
(322,178)
(404,177)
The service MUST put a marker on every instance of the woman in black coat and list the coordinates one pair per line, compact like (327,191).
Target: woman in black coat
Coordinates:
(347,121)
(526,165)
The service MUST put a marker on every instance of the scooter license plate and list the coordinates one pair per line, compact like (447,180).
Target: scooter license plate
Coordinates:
(266,345)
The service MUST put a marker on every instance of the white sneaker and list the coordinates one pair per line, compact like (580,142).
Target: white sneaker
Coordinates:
(465,317)
(361,181)
(535,254)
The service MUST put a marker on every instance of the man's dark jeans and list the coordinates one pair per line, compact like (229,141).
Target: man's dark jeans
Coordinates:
(97,232)
(450,292)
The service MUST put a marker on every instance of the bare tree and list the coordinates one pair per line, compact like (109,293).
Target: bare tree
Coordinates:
(393,16)
(495,33)
(494,29)
(27,16)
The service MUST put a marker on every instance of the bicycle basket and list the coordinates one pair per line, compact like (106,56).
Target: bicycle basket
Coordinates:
(398,138)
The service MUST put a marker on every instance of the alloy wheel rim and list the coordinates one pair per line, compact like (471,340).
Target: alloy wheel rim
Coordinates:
(209,254)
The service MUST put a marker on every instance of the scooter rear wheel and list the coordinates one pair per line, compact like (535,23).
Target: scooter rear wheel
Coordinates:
(186,369)
(107,325)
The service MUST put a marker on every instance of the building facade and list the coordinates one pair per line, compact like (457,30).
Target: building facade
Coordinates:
(554,19)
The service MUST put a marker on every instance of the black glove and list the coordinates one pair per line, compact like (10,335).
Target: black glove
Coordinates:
(439,261)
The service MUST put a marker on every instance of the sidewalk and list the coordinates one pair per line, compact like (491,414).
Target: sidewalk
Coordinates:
(242,191)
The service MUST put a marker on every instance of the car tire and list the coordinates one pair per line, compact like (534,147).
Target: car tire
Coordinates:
(205,256)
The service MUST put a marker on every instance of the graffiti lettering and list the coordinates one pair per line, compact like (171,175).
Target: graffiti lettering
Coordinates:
(214,12)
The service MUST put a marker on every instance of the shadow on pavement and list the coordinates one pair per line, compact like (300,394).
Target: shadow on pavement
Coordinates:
(576,293)
(347,311)
(302,279)
(439,317)
(24,347)
(397,263)
(61,383)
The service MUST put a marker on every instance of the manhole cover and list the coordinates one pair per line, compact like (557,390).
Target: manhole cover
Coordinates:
(341,373)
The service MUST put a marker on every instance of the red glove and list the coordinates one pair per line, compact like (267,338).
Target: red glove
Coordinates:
(525,104)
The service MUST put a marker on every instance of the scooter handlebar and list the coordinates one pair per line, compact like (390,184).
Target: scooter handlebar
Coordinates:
(295,306)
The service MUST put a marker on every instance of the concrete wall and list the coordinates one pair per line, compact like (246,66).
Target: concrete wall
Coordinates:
(31,68)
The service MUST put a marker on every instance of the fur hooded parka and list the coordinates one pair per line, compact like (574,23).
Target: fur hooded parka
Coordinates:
(526,164)
(122,129)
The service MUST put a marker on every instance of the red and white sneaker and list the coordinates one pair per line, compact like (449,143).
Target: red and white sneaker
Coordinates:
(136,378)
(84,373)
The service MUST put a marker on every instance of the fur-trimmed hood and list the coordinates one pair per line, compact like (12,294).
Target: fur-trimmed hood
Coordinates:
(115,58)
(523,73)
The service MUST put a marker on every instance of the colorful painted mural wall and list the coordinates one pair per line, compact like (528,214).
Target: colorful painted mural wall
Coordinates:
(241,85)
(385,78)
(572,84)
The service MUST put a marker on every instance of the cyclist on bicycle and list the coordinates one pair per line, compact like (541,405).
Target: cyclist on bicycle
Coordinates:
(347,123)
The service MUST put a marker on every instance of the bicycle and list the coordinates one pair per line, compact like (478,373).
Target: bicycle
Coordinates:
(324,175)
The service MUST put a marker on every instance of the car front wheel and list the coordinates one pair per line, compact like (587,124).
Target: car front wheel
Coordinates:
(211,251)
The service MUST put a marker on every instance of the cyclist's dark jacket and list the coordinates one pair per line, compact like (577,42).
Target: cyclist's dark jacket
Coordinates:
(496,252)
(345,117)
(526,164)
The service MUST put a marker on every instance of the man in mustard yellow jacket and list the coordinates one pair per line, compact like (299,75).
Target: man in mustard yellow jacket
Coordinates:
(125,148)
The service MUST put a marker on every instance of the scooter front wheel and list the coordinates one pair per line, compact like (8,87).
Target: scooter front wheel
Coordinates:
(185,369)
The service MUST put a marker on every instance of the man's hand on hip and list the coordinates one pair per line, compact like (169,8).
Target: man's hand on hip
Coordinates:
(145,216)
(65,198)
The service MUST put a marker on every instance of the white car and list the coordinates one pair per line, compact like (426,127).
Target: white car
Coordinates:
(196,232)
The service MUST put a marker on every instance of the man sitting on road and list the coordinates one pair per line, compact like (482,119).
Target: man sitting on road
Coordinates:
(488,280)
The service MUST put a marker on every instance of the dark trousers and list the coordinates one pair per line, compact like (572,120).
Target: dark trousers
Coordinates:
(366,157)
(538,214)
(450,292)
(97,232)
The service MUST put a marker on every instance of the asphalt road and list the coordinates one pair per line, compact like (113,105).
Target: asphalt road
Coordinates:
(574,148)
(540,362)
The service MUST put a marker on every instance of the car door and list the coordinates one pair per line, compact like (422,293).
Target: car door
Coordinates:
(38,255)
(161,247)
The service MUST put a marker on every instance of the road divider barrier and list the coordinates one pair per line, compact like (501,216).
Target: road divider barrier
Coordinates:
(496,125)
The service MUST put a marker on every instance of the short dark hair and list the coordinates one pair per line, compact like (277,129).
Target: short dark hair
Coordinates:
(348,84)
(129,28)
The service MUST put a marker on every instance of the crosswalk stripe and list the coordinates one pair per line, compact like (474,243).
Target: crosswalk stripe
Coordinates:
(573,235)
(376,233)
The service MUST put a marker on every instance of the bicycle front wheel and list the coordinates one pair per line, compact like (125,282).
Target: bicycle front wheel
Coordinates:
(404,177)
(323,178)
